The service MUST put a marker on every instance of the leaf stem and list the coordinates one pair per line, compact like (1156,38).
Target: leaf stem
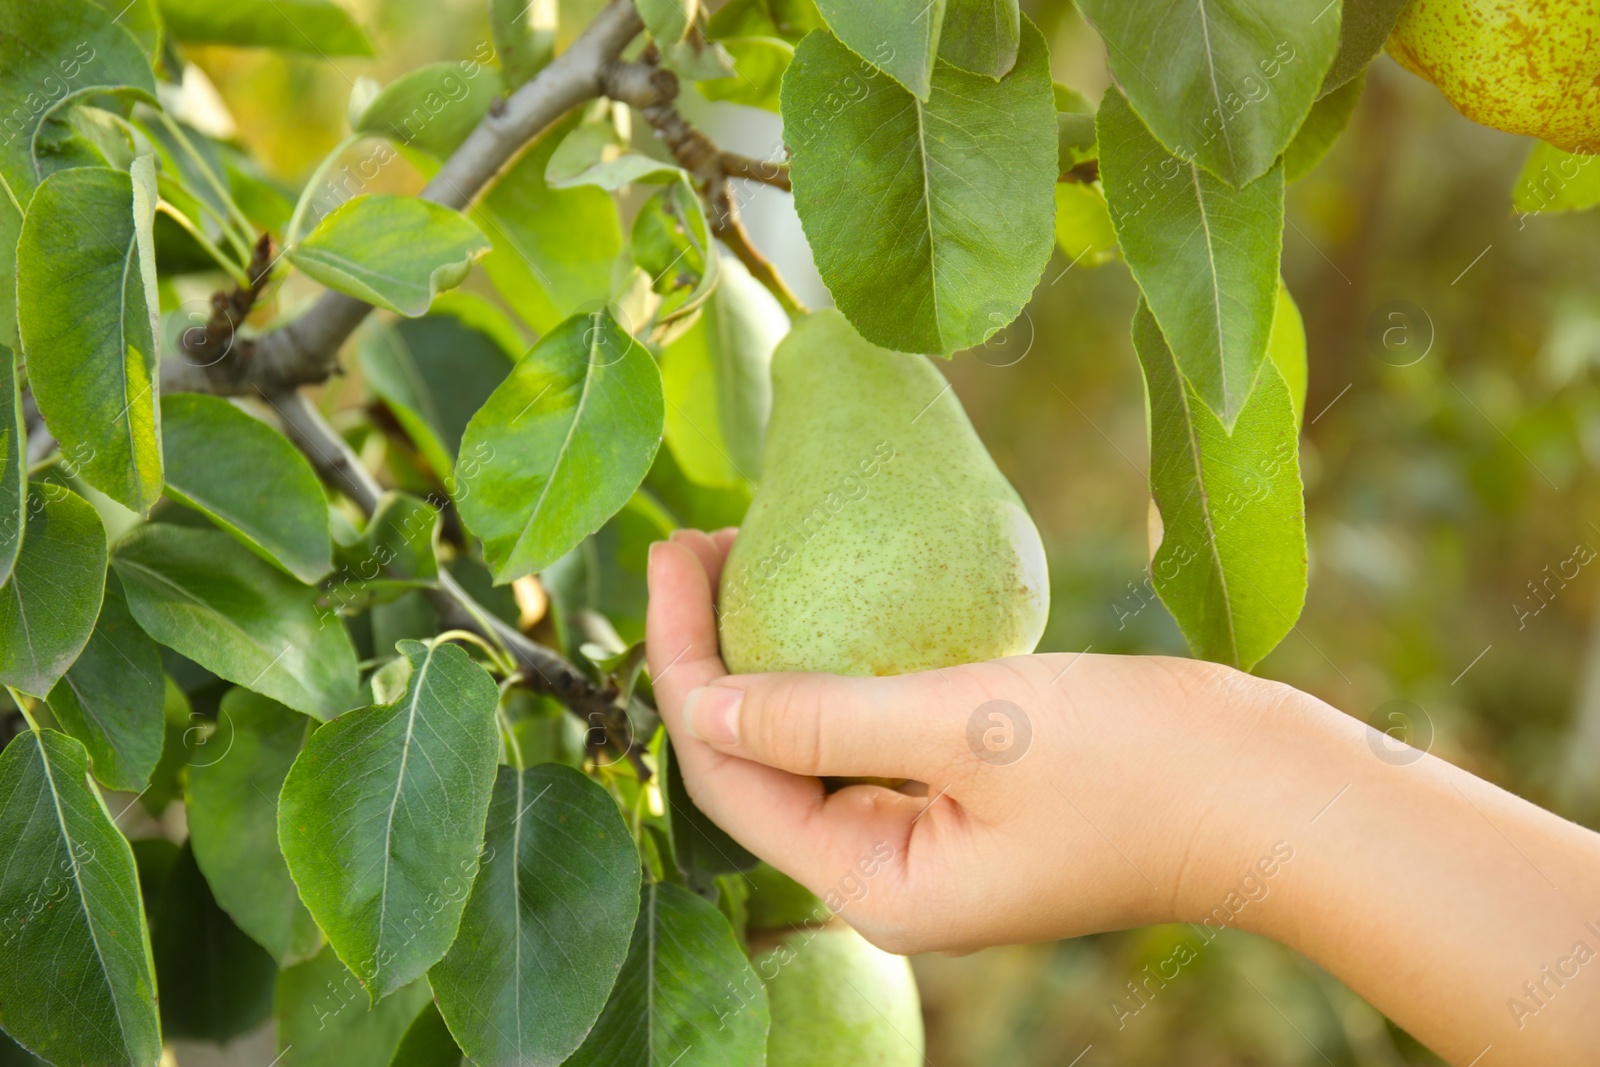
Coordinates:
(246,227)
(233,269)
(291,232)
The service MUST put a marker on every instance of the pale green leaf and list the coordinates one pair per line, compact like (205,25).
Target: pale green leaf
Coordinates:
(1083,224)
(1322,128)
(382,818)
(112,696)
(394,252)
(667,21)
(49,607)
(1286,348)
(758,65)
(606,572)
(1231,563)
(561,445)
(981,36)
(10,231)
(524,36)
(249,480)
(1075,135)
(717,381)
(53,54)
(686,997)
(930,222)
(232,803)
(1204,253)
(1554,180)
(671,242)
(788,20)
(1364,26)
(899,37)
(323,1019)
(78,986)
(549,923)
(205,596)
(433,108)
(319,27)
(86,304)
(1225,83)
(13,460)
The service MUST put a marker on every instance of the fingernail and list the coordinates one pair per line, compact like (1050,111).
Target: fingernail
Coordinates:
(712,714)
(650,559)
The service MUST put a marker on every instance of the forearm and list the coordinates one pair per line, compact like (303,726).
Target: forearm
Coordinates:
(1467,915)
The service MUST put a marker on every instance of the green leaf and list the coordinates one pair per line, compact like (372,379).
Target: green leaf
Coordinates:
(232,803)
(86,304)
(701,849)
(54,54)
(319,27)
(1075,135)
(434,373)
(396,549)
(10,231)
(382,818)
(561,445)
(1322,127)
(248,479)
(524,36)
(1554,180)
(324,1019)
(112,696)
(1364,26)
(427,1042)
(606,572)
(758,63)
(981,36)
(141,18)
(1083,224)
(553,248)
(216,983)
(667,21)
(788,20)
(1205,254)
(49,607)
(1231,563)
(930,221)
(13,460)
(686,997)
(206,597)
(183,729)
(78,986)
(549,922)
(1224,83)
(1286,348)
(432,108)
(899,37)
(394,252)
(717,381)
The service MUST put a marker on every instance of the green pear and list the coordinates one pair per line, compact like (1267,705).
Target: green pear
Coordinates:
(836,1000)
(882,538)
(1523,66)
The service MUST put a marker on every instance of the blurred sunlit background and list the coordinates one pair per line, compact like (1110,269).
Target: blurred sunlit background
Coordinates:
(1451,446)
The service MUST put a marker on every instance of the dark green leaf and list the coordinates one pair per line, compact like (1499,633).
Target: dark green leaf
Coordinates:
(930,221)
(78,985)
(427,1042)
(48,608)
(111,698)
(318,27)
(396,548)
(394,252)
(434,373)
(553,248)
(981,36)
(606,572)
(13,458)
(216,983)
(14,1055)
(1205,254)
(232,798)
(249,480)
(700,848)
(1231,563)
(899,37)
(324,1020)
(52,54)
(1224,83)
(432,108)
(686,997)
(524,37)
(202,594)
(1322,127)
(561,444)
(1363,27)
(549,922)
(758,63)
(86,305)
(182,728)
(382,817)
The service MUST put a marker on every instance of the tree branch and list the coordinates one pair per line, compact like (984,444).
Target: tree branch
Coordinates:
(305,351)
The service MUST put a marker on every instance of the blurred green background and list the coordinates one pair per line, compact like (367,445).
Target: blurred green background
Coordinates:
(1450,451)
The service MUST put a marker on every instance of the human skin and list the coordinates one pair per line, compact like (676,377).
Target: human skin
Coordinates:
(1153,790)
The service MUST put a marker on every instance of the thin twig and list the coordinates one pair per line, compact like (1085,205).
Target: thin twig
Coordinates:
(766,171)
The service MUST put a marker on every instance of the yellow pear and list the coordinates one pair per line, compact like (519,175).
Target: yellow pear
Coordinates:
(1523,66)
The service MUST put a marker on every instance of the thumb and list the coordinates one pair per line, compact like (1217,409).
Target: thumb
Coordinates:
(825,724)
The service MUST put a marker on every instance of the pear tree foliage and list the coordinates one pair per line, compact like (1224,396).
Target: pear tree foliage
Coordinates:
(390,660)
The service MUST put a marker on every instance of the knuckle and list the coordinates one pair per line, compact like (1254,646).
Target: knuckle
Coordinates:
(788,728)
